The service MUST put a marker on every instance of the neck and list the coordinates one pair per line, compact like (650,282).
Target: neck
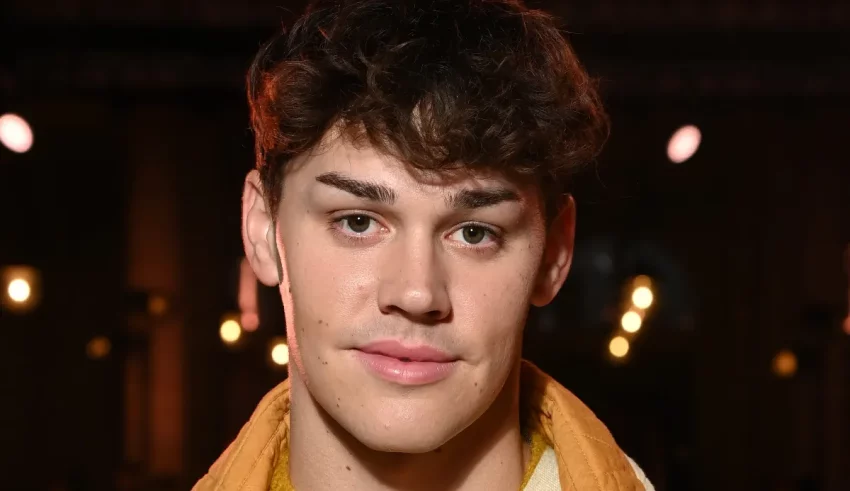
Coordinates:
(489,454)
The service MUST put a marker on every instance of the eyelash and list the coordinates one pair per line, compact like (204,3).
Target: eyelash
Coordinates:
(335,224)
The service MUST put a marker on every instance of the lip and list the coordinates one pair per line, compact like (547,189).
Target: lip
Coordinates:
(406,365)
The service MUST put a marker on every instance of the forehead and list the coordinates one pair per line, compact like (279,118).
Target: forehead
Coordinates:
(362,161)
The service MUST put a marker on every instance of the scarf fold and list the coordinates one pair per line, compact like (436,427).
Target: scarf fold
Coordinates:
(588,458)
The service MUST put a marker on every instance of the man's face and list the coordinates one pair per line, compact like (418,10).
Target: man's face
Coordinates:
(406,295)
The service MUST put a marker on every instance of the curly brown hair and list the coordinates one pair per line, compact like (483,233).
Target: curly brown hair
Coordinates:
(439,84)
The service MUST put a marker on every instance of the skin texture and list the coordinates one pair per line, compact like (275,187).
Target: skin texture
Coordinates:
(406,269)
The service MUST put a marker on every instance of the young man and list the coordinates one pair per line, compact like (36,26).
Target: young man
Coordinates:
(409,202)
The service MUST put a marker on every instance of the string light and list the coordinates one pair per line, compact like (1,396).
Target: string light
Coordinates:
(230,331)
(631,322)
(619,347)
(280,353)
(642,297)
(19,290)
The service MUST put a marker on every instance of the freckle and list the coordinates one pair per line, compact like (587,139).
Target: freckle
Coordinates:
(347,468)
(320,321)
(337,404)
(476,384)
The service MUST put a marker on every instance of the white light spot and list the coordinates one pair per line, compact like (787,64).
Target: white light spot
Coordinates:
(15,133)
(19,290)
(280,354)
(684,144)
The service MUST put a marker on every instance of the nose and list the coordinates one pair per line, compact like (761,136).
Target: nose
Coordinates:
(413,283)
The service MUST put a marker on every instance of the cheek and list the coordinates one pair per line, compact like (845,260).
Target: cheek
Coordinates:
(330,289)
(493,304)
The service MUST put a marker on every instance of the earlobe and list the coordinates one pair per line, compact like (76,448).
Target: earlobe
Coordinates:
(258,234)
(558,255)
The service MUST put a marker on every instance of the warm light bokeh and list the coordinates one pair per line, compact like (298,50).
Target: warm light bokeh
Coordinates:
(15,133)
(683,144)
(642,297)
(280,354)
(230,331)
(619,346)
(785,364)
(631,322)
(99,347)
(19,290)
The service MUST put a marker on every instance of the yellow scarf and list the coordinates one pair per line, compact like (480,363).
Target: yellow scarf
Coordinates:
(281,482)
(585,453)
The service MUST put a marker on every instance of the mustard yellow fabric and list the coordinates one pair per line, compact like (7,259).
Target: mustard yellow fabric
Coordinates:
(588,457)
(280,475)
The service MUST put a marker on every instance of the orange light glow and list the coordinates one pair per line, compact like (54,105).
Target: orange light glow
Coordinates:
(99,347)
(642,297)
(280,354)
(19,290)
(785,364)
(230,331)
(619,347)
(631,322)
(248,297)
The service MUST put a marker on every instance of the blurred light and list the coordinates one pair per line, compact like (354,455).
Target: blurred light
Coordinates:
(250,321)
(280,354)
(642,281)
(631,321)
(157,305)
(847,325)
(785,364)
(619,346)
(683,144)
(19,290)
(230,331)
(98,348)
(15,133)
(20,285)
(248,297)
(642,297)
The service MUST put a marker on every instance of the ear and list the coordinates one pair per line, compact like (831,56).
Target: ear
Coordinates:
(558,255)
(258,233)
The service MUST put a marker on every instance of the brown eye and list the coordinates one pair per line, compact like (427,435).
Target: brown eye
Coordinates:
(358,223)
(474,235)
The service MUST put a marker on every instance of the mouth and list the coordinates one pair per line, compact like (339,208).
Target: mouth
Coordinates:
(406,365)
(407,354)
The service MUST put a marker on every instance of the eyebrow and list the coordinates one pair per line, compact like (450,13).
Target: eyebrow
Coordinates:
(362,189)
(466,199)
(469,199)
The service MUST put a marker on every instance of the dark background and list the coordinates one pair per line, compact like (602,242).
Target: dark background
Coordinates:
(132,190)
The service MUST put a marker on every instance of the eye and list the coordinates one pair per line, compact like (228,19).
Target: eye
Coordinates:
(356,224)
(473,234)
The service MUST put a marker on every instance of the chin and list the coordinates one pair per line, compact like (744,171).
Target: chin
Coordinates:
(408,431)
(403,441)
